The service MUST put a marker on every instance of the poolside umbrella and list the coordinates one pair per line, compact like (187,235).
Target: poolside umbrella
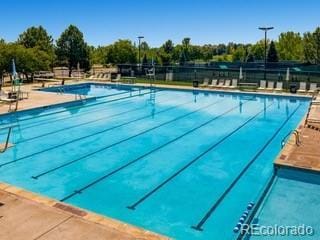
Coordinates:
(288,75)
(14,74)
(78,69)
(240,74)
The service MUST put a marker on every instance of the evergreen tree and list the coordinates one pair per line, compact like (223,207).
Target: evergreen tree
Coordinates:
(72,49)
(272,53)
(144,60)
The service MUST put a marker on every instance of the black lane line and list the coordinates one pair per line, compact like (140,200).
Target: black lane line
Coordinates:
(85,123)
(124,140)
(93,134)
(144,155)
(142,199)
(45,122)
(84,106)
(199,225)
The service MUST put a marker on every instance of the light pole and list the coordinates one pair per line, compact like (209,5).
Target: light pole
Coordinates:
(139,58)
(265,29)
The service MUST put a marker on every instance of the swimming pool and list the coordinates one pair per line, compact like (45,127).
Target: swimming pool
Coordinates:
(181,163)
(293,201)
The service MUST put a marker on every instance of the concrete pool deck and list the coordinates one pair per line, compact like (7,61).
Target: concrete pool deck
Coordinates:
(36,98)
(25,215)
(306,155)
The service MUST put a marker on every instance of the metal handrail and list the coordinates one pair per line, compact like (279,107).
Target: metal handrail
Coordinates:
(308,113)
(296,133)
(80,96)
(8,137)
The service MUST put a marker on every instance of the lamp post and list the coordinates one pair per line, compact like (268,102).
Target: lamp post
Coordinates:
(139,58)
(265,29)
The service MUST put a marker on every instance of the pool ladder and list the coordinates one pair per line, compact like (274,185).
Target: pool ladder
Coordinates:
(296,134)
(80,97)
(6,145)
(60,90)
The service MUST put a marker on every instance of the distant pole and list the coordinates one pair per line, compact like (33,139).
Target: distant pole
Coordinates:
(139,47)
(265,29)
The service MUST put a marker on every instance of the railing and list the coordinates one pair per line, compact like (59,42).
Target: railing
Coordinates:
(297,138)
(6,145)
(60,90)
(78,96)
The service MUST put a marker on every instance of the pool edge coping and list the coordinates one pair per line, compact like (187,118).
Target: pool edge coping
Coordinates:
(75,211)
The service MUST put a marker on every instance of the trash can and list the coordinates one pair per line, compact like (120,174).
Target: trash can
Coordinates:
(195,83)
(293,88)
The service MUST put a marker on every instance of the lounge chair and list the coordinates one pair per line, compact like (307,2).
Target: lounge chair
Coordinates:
(5,97)
(313,88)
(227,83)
(117,79)
(221,83)
(205,83)
(302,87)
(234,83)
(270,85)
(214,83)
(279,86)
(262,85)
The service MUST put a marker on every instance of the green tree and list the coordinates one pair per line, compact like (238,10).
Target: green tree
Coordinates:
(122,51)
(98,55)
(28,60)
(186,49)
(316,39)
(36,37)
(272,53)
(168,47)
(257,50)
(239,54)
(144,59)
(309,49)
(290,46)
(72,49)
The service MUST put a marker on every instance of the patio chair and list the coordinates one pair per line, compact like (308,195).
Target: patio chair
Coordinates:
(302,87)
(234,83)
(214,83)
(117,79)
(270,85)
(262,85)
(205,83)
(279,86)
(221,83)
(227,83)
(313,88)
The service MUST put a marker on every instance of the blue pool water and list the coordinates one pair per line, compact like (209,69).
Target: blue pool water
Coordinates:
(293,200)
(181,163)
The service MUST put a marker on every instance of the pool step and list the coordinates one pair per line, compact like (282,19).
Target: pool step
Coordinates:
(4,146)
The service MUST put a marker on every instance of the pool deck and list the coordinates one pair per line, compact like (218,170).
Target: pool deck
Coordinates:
(25,215)
(36,98)
(306,155)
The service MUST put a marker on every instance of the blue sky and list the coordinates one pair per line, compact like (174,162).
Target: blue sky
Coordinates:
(205,21)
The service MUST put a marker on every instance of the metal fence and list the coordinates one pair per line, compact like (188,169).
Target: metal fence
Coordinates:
(199,73)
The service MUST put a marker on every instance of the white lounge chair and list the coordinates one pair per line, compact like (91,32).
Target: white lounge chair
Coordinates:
(214,83)
(227,83)
(302,87)
(205,83)
(270,85)
(279,86)
(117,79)
(262,85)
(221,83)
(313,88)
(234,83)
